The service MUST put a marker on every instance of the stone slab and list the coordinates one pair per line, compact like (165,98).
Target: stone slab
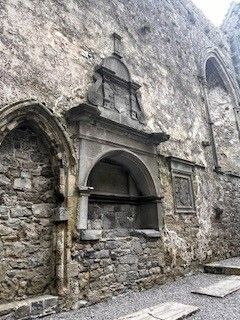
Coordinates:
(148,233)
(88,235)
(221,288)
(229,267)
(30,308)
(164,311)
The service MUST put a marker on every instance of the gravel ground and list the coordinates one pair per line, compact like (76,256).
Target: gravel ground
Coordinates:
(211,308)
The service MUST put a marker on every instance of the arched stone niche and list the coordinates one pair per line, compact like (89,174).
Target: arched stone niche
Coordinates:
(118,193)
(113,136)
(37,121)
(222,111)
(123,195)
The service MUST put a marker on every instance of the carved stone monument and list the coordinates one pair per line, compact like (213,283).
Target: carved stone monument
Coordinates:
(114,90)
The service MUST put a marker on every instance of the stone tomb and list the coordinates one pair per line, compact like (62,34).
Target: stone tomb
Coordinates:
(228,267)
(164,311)
(221,288)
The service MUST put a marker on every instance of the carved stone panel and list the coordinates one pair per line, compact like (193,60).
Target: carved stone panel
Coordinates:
(183,193)
(114,90)
(182,174)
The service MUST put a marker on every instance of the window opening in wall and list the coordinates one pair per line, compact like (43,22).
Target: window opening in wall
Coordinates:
(222,118)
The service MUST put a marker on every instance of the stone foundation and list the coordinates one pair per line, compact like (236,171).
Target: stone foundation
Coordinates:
(29,308)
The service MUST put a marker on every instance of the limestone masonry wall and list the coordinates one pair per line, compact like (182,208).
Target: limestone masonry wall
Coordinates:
(187,185)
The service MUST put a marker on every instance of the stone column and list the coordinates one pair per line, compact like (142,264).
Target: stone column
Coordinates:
(84,193)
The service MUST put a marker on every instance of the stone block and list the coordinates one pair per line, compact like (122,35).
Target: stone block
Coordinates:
(18,212)
(22,312)
(50,304)
(22,184)
(128,259)
(37,308)
(148,233)
(3,169)
(4,181)
(4,230)
(41,210)
(4,212)
(26,174)
(88,235)
(80,304)
(102,254)
(61,214)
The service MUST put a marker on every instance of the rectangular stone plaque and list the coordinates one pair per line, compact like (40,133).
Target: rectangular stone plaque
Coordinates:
(182,174)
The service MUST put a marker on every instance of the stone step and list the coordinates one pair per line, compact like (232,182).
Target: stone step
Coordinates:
(30,308)
(164,311)
(221,288)
(229,267)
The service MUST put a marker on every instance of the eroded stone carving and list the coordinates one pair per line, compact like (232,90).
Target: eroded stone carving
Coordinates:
(114,90)
(182,172)
(183,193)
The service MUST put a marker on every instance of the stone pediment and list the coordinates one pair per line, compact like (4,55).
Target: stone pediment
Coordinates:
(115,93)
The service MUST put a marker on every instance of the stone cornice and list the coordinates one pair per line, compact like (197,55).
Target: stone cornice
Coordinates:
(88,113)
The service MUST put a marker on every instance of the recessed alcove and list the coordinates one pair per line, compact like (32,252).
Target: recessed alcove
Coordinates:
(123,195)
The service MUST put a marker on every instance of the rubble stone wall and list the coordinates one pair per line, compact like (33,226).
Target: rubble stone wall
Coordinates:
(48,52)
(27,201)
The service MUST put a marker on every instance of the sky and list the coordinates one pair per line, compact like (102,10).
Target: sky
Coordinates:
(215,10)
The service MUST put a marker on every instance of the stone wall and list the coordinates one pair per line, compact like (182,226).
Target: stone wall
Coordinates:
(231,28)
(27,201)
(115,265)
(51,58)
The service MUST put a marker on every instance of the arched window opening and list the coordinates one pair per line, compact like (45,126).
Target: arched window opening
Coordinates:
(213,77)
(120,198)
(221,104)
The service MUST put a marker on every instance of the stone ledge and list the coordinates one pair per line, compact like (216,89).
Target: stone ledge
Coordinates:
(94,235)
(91,235)
(30,308)
(148,233)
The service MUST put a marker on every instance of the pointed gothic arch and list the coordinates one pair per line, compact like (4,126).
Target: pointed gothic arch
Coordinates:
(215,72)
(46,125)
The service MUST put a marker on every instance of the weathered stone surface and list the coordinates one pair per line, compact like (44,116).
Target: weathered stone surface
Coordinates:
(25,228)
(23,184)
(18,212)
(91,234)
(29,308)
(222,288)
(164,311)
(228,267)
(171,56)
